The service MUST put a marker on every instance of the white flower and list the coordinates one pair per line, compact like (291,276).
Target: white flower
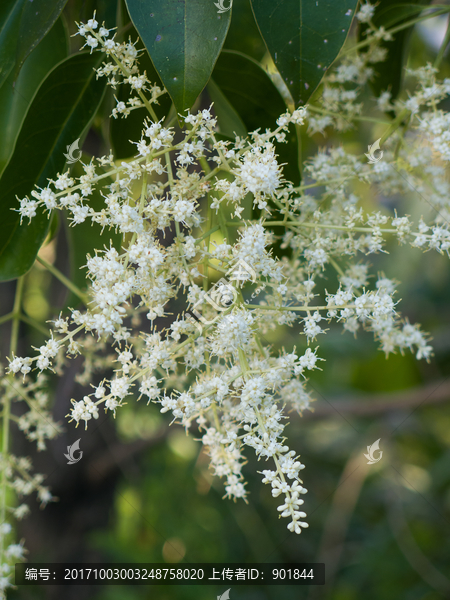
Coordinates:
(202,357)
(15,551)
(365,13)
(259,172)
(232,332)
(311,326)
(5,528)
(119,387)
(92,42)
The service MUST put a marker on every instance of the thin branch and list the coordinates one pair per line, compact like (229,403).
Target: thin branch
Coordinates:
(34,323)
(6,318)
(436,392)
(63,279)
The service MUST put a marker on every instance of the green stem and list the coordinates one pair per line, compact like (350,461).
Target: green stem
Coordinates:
(169,169)
(314,226)
(303,308)
(223,225)
(207,244)
(352,117)
(63,279)
(319,184)
(127,73)
(298,131)
(207,234)
(435,13)
(209,221)
(141,210)
(207,263)
(183,258)
(395,124)
(243,363)
(336,267)
(6,318)
(260,346)
(33,323)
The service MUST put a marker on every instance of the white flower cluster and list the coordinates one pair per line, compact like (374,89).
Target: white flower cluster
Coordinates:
(207,364)
(342,85)
(19,479)
(365,13)
(38,425)
(12,554)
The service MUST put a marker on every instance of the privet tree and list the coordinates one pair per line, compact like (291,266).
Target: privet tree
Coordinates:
(206,202)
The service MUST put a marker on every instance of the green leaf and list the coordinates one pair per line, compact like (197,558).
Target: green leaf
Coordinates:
(53,228)
(389,73)
(37,18)
(251,93)
(83,10)
(184,39)
(61,110)
(23,24)
(243,34)
(10,14)
(303,37)
(230,123)
(123,130)
(15,97)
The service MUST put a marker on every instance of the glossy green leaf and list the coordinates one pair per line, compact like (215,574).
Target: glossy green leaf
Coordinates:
(243,34)
(23,24)
(252,95)
(303,37)
(229,122)
(389,73)
(184,39)
(16,96)
(36,20)
(83,10)
(61,110)
(10,14)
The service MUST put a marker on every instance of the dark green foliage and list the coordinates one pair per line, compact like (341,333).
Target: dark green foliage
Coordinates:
(63,107)
(303,37)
